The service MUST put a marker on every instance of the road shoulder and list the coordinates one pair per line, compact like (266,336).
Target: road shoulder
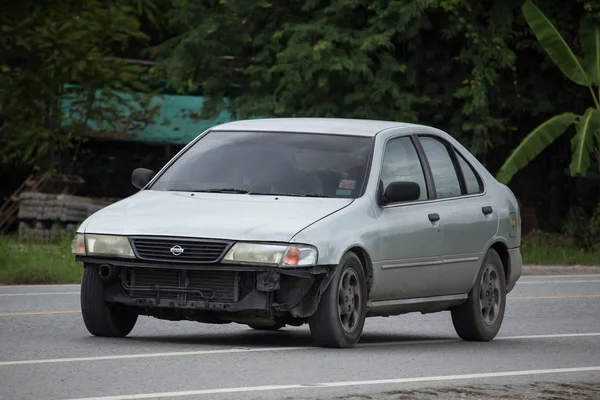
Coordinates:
(560,270)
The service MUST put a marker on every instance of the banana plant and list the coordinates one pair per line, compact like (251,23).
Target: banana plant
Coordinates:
(582,71)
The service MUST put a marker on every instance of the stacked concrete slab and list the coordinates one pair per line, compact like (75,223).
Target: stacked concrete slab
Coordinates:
(52,215)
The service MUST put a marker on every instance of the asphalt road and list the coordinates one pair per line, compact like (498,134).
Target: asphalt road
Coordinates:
(549,343)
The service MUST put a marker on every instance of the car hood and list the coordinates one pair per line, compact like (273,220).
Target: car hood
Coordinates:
(211,215)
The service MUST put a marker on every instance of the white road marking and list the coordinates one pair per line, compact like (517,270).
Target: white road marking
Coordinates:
(549,336)
(571,296)
(37,294)
(41,286)
(560,281)
(152,355)
(32,313)
(498,338)
(396,381)
(275,349)
(558,276)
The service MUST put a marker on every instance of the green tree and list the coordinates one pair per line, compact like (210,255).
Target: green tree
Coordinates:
(582,71)
(450,63)
(60,70)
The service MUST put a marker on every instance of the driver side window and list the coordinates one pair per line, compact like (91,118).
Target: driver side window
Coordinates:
(401,164)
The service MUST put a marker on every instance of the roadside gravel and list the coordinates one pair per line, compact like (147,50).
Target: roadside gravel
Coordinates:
(537,391)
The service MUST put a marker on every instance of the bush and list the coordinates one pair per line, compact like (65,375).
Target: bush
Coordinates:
(594,230)
(584,228)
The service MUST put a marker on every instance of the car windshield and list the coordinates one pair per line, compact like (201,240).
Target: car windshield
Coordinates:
(271,163)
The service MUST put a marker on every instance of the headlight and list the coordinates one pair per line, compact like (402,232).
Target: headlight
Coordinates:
(102,245)
(272,255)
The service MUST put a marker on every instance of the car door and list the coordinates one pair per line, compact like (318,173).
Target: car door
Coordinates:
(470,218)
(411,233)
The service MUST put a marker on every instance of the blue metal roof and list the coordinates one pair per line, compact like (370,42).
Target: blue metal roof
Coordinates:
(175,124)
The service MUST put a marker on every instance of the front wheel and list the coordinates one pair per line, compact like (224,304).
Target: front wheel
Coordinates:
(480,318)
(100,318)
(340,316)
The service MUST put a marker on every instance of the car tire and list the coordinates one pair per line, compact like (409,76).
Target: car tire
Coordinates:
(100,318)
(340,316)
(480,317)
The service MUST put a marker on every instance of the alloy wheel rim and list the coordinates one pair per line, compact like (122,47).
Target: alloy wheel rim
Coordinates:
(349,300)
(489,295)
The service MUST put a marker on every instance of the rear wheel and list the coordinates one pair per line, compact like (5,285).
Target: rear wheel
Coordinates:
(480,318)
(340,316)
(101,318)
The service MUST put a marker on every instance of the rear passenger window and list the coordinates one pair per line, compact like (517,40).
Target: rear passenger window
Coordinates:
(445,178)
(472,182)
(401,163)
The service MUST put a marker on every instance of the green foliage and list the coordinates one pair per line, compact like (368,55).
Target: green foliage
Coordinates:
(67,51)
(555,249)
(470,67)
(588,127)
(447,63)
(554,44)
(576,227)
(584,228)
(594,230)
(590,41)
(585,72)
(540,138)
(34,262)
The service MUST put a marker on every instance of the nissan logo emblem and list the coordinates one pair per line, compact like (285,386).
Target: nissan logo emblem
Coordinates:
(176,250)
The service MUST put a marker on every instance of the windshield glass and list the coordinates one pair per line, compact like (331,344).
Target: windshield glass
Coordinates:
(295,164)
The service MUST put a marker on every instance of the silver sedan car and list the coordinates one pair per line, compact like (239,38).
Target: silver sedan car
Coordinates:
(276,222)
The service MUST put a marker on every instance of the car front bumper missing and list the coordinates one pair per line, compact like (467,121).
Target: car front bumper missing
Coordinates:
(181,291)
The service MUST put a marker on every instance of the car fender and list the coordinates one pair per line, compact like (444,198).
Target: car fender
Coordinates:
(493,240)
(338,232)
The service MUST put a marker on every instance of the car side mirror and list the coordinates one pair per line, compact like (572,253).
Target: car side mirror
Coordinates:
(140,177)
(402,191)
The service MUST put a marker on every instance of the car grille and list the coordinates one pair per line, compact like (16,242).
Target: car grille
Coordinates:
(194,251)
(148,282)
(185,285)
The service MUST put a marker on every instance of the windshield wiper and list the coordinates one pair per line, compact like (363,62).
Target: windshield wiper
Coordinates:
(226,190)
(288,194)
(244,191)
(311,195)
(216,190)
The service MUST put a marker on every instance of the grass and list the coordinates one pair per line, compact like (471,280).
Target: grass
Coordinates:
(36,262)
(554,249)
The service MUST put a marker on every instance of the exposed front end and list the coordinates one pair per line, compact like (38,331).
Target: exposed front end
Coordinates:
(204,280)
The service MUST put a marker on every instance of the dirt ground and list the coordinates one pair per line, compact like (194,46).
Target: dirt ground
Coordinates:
(540,391)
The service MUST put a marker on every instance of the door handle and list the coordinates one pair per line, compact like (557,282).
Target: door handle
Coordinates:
(487,210)
(434,217)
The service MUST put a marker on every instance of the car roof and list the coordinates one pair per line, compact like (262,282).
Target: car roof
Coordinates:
(335,126)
